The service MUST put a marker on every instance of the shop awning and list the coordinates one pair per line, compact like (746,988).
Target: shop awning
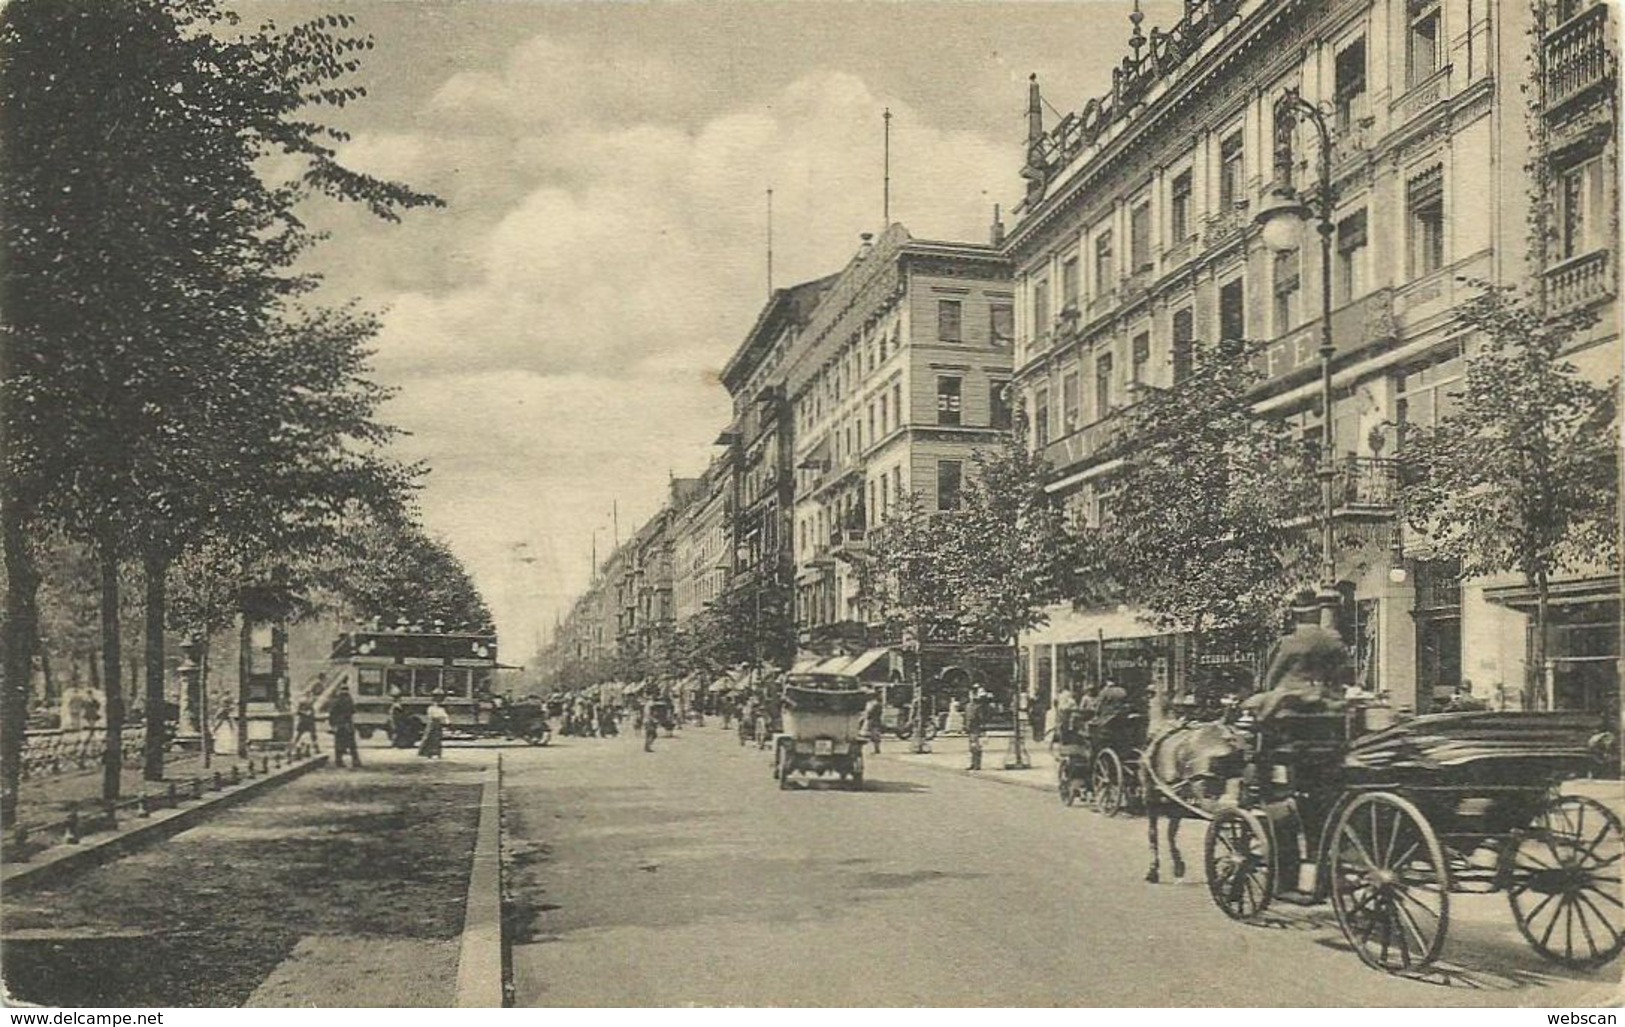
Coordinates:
(866,661)
(833,665)
(1067,625)
(805,665)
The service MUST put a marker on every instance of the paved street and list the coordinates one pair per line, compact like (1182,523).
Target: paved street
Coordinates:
(343,888)
(686,877)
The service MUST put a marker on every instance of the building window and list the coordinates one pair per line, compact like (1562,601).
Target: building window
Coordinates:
(1041,418)
(897,403)
(948,398)
(1428,393)
(1184,343)
(1581,209)
(1286,280)
(1179,209)
(897,482)
(1349,280)
(948,318)
(1103,385)
(873,434)
(1232,184)
(1105,271)
(1424,40)
(885,419)
(1139,237)
(1001,323)
(1232,311)
(885,495)
(1350,87)
(998,404)
(948,472)
(1069,282)
(1141,354)
(1071,401)
(1041,313)
(1424,207)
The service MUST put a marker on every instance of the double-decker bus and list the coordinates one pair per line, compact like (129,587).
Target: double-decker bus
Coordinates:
(381,664)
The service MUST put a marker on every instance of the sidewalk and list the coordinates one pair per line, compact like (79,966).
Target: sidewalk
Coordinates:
(951,754)
(342,888)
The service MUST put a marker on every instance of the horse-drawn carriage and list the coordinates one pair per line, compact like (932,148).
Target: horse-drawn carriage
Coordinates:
(1098,757)
(1393,822)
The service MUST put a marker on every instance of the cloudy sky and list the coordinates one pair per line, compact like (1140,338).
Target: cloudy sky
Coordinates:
(555,332)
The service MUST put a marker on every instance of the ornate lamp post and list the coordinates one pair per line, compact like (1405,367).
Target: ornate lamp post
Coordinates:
(1281,219)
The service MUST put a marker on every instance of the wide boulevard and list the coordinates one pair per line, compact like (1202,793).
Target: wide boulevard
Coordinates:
(685,876)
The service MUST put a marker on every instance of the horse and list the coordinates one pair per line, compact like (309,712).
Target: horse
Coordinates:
(1183,772)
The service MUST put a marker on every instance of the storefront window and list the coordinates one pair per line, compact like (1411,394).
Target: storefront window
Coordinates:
(369,680)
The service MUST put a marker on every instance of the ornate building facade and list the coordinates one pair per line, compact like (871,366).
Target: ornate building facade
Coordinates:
(1136,238)
(900,377)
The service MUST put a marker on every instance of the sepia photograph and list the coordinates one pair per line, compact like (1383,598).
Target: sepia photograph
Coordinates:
(811,504)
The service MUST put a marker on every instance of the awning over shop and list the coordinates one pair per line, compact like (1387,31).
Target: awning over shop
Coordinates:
(866,661)
(805,665)
(833,665)
(1068,625)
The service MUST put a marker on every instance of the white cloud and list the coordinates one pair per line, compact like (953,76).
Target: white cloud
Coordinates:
(608,260)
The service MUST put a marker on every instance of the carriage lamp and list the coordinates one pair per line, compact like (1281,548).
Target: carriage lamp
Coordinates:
(1280,220)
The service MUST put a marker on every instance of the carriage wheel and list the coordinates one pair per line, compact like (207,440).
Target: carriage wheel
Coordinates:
(1063,783)
(1562,881)
(538,734)
(1390,884)
(1108,783)
(1240,863)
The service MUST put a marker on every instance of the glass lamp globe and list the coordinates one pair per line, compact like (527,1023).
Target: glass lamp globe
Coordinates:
(1281,218)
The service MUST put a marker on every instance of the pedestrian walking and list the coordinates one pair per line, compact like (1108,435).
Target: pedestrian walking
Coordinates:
(401,733)
(975,721)
(304,724)
(434,731)
(871,721)
(341,721)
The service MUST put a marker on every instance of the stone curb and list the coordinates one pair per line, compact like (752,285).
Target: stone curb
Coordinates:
(64,860)
(479,959)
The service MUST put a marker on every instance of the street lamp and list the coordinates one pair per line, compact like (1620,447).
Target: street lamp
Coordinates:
(1280,220)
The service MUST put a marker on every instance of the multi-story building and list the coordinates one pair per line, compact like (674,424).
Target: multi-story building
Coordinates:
(702,544)
(901,374)
(761,441)
(646,585)
(1136,238)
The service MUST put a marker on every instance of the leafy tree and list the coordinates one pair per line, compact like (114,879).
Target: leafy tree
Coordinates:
(1209,521)
(1522,476)
(146,261)
(908,572)
(399,571)
(1014,553)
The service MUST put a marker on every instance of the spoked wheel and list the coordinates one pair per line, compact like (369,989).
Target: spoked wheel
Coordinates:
(1063,783)
(1108,783)
(1390,884)
(1562,881)
(1240,863)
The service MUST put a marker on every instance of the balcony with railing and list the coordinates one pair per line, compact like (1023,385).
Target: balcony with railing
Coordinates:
(1577,56)
(1581,281)
(1366,486)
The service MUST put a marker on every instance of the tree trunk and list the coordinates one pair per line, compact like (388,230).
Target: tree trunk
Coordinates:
(21,631)
(1537,675)
(245,665)
(156,569)
(113,705)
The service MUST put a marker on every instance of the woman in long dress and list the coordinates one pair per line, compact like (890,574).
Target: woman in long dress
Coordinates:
(433,733)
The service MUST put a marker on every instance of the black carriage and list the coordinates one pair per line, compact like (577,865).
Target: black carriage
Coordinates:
(1395,821)
(1098,758)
